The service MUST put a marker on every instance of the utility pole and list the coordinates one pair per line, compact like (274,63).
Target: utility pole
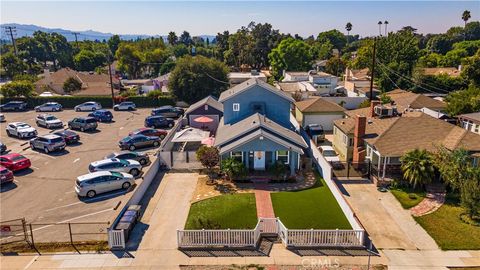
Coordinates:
(373,68)
(76,38)
(111,81)
(10,30)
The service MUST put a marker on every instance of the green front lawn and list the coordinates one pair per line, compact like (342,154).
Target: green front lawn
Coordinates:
(313,208)
(445,226)
(233,211)
(408,197)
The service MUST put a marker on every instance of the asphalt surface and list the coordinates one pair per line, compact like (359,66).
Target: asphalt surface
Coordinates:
(45,193)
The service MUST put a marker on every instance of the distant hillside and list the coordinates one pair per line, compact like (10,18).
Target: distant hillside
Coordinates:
(28,30)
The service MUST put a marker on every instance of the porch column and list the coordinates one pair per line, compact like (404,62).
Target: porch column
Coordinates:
(384,167)
(245,159)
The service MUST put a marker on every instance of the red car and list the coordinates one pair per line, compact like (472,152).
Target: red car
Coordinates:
(149,132)
(6,176)
(15,162)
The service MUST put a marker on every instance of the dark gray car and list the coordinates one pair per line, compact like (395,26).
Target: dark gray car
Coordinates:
(83,123)
(142,158)
(138,141)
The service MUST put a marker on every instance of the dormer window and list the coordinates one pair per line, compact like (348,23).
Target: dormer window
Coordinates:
(236,107)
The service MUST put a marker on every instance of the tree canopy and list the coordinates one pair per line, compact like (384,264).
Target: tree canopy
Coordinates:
(290,55)
(194,78)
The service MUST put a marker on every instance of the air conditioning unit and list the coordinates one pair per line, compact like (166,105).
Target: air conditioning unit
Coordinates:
(382,111)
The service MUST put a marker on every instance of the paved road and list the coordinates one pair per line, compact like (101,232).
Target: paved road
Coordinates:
(45,194)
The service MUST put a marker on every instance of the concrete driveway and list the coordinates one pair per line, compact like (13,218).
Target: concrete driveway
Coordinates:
(388,224)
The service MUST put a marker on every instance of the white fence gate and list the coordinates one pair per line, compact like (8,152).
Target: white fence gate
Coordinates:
(116,239)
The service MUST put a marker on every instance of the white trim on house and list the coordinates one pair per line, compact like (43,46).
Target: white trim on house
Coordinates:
(236,107)
(288,156)
(236,156)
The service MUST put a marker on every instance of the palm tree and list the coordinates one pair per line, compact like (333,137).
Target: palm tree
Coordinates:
(386,24)
(380,28)
(465,17)
(348,27)
(417,166)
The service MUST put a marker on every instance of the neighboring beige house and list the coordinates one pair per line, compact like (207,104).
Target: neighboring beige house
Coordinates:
(357,83)
(470,122)
(318,111)
(92,84)
(383,141)
(405,100)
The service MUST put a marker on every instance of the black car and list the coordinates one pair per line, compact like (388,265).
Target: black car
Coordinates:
(69,136)
(13,106)
(138,141)
(159,122)
(168,111)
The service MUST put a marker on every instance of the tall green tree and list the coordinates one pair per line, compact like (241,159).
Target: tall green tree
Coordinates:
(113,43)
(194,78)
(18,89)
(185,38)
(290,55)
(129,59)
(417,167)
(466,16)
(335,37)
(172,38)
(463,101)
(12,65)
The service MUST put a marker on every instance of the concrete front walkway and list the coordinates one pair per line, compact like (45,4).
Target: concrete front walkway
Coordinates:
(264,204)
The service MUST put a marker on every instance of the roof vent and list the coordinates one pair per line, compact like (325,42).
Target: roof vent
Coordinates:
(370,121)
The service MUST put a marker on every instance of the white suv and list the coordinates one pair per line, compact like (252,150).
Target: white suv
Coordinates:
(21,130)
(88,106)
(48,121)
(91,184)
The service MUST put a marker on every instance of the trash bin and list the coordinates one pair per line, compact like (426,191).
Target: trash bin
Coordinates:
(126,227)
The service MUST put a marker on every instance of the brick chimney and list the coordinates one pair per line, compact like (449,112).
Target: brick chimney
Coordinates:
(373,103)
(358,145)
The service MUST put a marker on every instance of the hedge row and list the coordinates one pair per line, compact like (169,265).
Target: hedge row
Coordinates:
(70,102)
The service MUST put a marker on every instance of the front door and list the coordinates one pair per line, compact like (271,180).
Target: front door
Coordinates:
(259,160)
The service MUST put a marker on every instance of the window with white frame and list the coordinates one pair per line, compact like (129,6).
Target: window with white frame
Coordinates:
(477,128)
(206,107)
(345,139)
(236,107)
(283,156)
(237,156)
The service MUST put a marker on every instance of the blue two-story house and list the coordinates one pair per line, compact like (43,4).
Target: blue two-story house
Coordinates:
(256,127)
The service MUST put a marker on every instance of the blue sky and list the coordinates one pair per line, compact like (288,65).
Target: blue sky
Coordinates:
(201,17)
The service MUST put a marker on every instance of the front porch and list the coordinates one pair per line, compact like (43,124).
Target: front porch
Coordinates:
(258,163)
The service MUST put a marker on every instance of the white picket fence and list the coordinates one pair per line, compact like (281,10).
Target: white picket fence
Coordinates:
(270,226)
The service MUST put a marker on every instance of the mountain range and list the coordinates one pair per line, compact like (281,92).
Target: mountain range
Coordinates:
(22,30)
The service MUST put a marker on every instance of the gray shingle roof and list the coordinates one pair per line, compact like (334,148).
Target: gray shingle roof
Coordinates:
(240,88)
(241,132)
(210,101)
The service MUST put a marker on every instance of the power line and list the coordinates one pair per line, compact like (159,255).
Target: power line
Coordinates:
(413,81)
(10,30)
(215,79)
(383,70)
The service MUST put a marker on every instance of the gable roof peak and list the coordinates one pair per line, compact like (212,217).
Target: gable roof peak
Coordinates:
(248,84)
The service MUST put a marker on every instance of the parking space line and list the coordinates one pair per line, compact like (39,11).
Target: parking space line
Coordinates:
(31,262)
(121,128)
(75,218)
(76,160)
(36,168)
(87,200)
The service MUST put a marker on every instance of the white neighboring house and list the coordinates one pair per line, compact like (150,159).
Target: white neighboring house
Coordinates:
(318,110)
(323,83)
(235,78)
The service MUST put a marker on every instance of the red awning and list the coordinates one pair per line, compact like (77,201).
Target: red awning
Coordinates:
(203,119)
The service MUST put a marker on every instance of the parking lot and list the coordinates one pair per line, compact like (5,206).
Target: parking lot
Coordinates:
(45,192)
